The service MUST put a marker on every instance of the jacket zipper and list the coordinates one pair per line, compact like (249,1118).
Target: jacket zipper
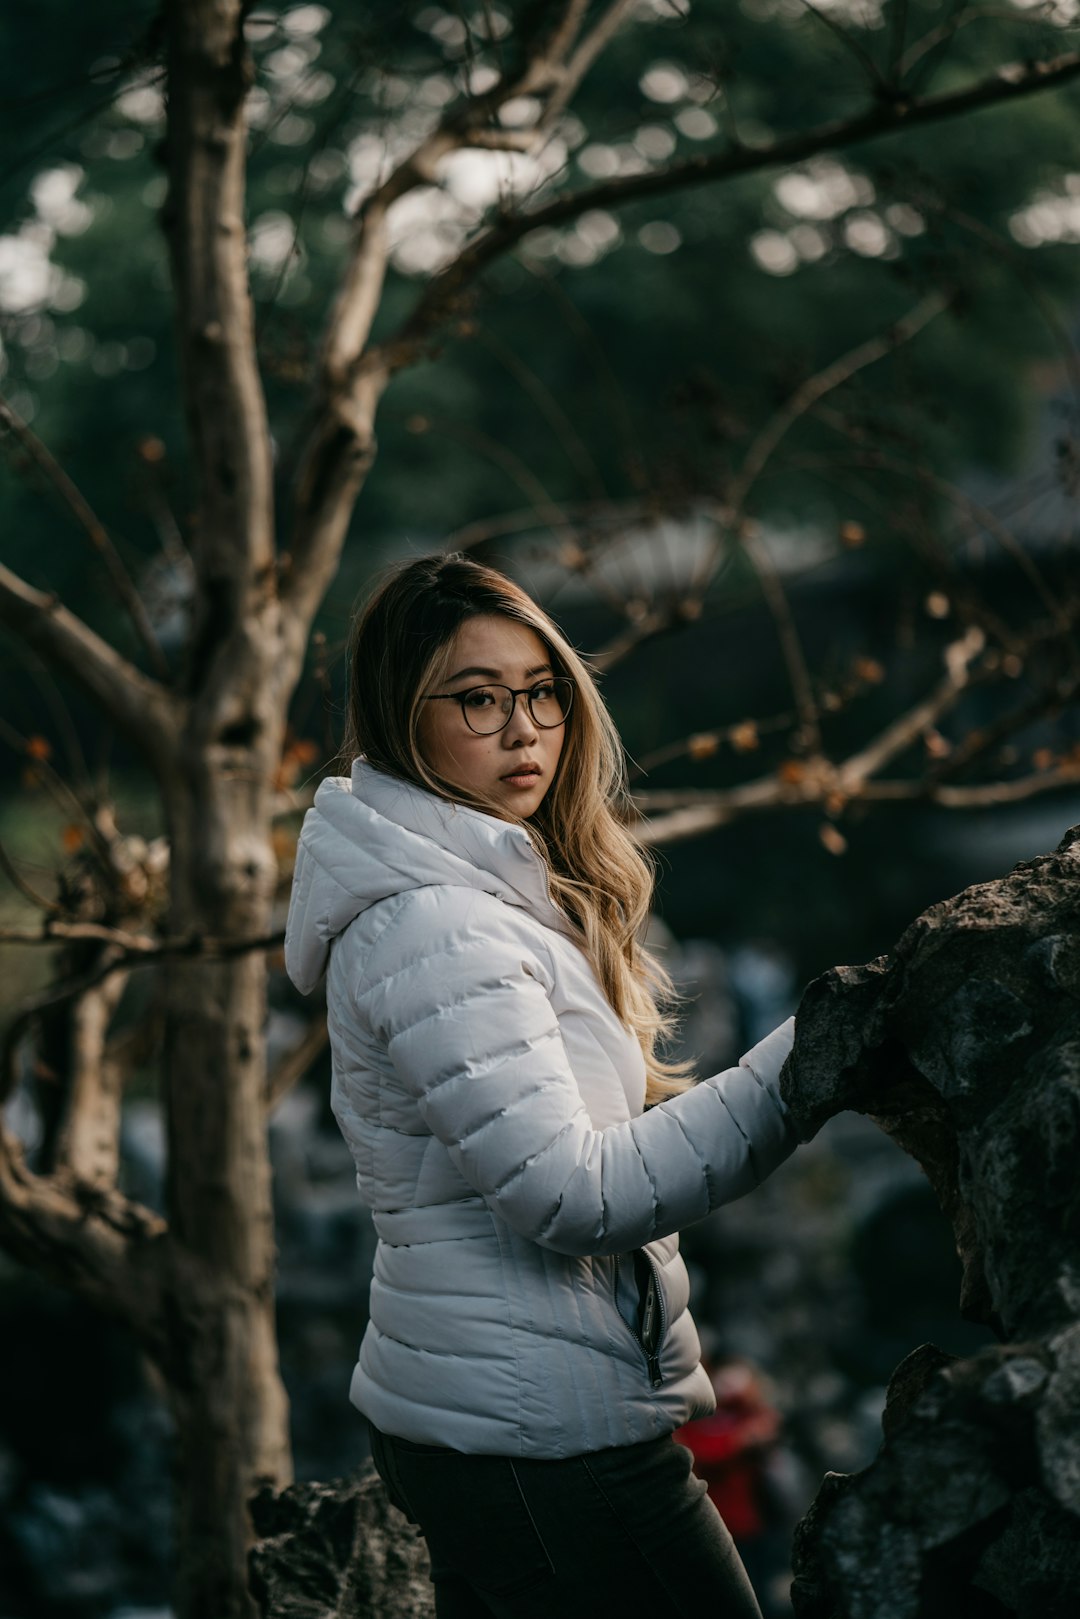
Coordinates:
(653,1319)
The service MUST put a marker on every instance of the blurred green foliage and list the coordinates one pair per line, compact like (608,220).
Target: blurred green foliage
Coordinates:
(660,362)
(625,355)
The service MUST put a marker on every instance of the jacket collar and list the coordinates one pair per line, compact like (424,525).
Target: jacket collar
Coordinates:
(498,850)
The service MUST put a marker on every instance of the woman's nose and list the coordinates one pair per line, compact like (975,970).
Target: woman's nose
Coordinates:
(520,724)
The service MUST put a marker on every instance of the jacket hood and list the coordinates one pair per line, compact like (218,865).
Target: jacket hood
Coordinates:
(371,836)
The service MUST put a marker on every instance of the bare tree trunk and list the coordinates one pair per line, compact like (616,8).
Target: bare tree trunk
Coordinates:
(230,1407)
(223,1376)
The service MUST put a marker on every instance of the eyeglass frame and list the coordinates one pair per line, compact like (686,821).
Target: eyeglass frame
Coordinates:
(515,693)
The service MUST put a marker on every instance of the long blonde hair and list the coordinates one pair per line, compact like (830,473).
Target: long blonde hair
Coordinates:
(402,645)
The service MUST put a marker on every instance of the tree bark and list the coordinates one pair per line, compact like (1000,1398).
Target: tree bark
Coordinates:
(224,1385)
(220,1347)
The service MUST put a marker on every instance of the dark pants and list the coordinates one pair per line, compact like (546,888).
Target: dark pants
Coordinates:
(628,1532)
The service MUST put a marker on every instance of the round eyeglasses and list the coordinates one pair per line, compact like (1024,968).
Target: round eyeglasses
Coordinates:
(488,709)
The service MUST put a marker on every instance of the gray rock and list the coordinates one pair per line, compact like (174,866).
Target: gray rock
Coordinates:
(963,1045)
(337,1550)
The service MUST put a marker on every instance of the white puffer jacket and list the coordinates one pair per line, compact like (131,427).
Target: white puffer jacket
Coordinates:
(528,1296)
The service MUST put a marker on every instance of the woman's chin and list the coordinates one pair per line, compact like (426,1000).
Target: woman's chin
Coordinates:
(520,802)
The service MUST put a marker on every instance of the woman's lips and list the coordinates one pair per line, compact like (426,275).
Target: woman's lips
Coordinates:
(522,778)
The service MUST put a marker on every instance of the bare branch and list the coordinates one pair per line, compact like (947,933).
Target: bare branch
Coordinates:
(980,515)
(790,645)
(984,795)
(127,950)
(558,42)
(296,1062)
(945,30)
(57,787)
(804,398)
(208,78)
(84,515)
(582,59)
(340,446)
(676,815)
(46,685)
(983,738)
(850,43)
(100,1244)
(706,813)
(1019,262)
(906,729)
(655,621)
(818,780)
(86,1140)
(897,35)
(445,289)
(138,704)
(839,371)
(14,876)
(139,947)
(742,735)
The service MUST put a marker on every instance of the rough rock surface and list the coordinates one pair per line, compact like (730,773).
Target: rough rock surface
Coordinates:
(963,1044)
(327,1551)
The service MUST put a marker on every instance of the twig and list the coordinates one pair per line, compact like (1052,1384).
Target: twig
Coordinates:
(897,34)
(790,644)
(61,792)
(137,948)
(548,512)
(945,30)
(582,59)
(140,705)
(1018,261)
(809,394)
(546,402)
(56,995)
(125,951)
(981,740)
(706,814)
(84,515)
(10,870)
(296,1062)
(983,517)
(65,725)
(101,1244)
(445,289)
(850,43)
(704,744)
(909,727)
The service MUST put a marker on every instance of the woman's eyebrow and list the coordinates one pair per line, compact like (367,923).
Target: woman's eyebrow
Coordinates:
(493,674)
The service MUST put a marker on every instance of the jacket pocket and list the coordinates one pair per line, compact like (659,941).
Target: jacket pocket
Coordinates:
(642,1303)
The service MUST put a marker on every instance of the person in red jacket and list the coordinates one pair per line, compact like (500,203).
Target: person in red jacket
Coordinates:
(731,1448)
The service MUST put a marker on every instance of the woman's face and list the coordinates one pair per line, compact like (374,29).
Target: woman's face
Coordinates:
(515,766)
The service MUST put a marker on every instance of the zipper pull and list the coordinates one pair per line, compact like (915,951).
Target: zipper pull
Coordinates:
(653,1364)
(650,1314)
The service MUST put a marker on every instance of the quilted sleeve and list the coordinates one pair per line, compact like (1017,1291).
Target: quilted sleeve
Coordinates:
(467,1020)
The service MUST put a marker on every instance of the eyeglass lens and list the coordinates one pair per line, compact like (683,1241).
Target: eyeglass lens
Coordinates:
(488,708)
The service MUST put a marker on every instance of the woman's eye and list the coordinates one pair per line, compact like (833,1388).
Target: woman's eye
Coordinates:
(543,693)
(479,698)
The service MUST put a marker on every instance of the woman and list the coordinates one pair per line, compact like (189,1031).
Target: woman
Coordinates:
(477,905)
